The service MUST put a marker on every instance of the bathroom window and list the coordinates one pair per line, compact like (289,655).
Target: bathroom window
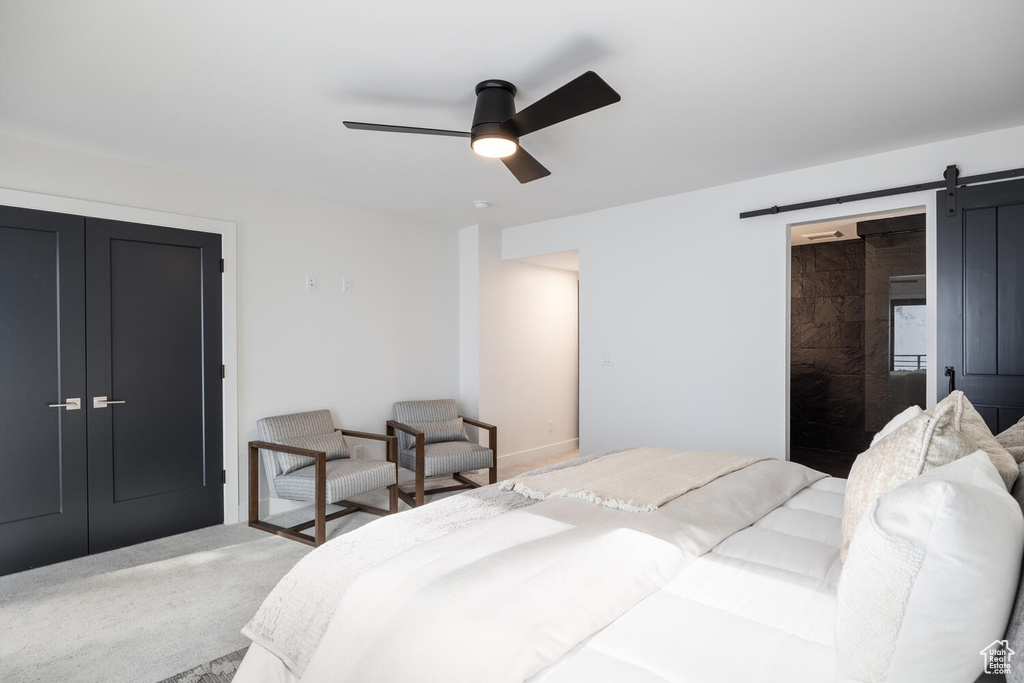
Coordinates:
(908,350)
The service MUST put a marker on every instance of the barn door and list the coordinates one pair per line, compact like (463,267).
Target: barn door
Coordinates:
(980,314)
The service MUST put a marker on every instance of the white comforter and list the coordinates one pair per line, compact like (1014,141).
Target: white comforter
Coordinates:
(759,608)
(596,564)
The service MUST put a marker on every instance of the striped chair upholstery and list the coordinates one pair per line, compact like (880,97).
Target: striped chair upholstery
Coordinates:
(345,479)
(423,411)
(447,457)
(434,420)
(285,428)
(292,473)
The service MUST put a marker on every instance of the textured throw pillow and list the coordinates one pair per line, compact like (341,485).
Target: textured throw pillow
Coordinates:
(1015,629)
(1013,441)
(970,422)
(442,430)
(925,442)
(332,443)
(930,577)
(897,422)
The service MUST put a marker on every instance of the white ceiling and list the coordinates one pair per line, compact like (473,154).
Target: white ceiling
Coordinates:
(712,92)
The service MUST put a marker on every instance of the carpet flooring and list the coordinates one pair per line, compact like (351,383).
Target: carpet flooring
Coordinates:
(153,611)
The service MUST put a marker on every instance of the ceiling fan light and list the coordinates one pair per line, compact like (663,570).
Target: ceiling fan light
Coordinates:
(494,147)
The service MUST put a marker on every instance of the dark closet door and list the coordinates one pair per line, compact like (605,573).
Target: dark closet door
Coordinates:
(981,299)
(155,426)
(43,509)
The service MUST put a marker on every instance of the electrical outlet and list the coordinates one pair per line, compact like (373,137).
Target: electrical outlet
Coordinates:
(606,358)
(357,451)
(551,425)
(346,285)
(310,283)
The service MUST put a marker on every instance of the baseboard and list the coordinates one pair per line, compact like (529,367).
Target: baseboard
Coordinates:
(540,453)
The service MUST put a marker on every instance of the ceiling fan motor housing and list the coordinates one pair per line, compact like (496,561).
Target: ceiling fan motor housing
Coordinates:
(495,103)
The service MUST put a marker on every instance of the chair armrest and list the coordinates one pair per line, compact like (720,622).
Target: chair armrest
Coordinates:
(405,428)
(319,484)
(492,436)
(282,448)
(477,423)
(390,442)
(365,435)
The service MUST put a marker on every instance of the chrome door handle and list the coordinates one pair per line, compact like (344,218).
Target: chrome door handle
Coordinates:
(102,402)
(70,404)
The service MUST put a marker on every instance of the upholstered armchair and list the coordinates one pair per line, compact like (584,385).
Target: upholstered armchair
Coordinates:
(307,459)
(434,443)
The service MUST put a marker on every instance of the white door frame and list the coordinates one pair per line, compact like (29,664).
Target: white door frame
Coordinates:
(229,299)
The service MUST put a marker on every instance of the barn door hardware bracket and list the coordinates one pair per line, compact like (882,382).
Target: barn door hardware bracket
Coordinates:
(951,174)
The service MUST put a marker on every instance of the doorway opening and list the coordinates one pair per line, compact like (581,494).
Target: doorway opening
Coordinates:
(858,342)
(538,365)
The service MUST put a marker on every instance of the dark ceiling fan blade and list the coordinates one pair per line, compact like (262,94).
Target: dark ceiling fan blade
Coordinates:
(524,167)
(578,96)
(356,125)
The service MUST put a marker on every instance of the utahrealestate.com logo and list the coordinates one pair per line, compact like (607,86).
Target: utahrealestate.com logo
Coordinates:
(997,657)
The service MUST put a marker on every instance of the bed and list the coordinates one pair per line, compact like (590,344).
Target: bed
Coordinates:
(780,527)
(737,578)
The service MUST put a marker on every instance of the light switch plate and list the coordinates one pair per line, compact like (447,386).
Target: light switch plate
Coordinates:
(310,283)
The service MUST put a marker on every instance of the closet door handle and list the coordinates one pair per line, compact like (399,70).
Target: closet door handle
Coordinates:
(70,404)
(102,402)
(951,374)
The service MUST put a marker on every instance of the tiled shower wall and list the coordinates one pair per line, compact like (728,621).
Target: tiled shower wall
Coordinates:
(827,347)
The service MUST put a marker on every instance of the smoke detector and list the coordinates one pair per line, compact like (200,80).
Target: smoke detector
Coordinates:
(481,203)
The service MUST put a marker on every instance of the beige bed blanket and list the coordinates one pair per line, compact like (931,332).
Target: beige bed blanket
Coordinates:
(638,480)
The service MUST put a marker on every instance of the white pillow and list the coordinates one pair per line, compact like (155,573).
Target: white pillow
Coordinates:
(897,422)
(930,577)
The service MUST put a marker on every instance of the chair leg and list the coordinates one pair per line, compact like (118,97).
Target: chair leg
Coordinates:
(492,442)
(421,466)
(254,485)
(393,491)
(320,488)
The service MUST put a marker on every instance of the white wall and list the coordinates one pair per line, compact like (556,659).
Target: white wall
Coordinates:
(469,321)
(693,302)
(394,337)
(523,369)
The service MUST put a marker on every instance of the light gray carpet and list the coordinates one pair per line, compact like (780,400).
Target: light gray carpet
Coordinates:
(142,613)
(155,610)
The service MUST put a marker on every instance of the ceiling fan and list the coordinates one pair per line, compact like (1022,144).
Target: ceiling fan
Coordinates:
(497,126)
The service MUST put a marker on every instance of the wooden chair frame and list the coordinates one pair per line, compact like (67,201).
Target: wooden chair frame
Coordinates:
(416,499)
(321,517)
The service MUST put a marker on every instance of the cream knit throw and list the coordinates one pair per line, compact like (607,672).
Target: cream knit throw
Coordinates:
(639,480)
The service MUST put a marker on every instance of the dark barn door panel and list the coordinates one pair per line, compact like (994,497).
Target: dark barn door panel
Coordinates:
(155,425)
(43,507)
(981,299)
